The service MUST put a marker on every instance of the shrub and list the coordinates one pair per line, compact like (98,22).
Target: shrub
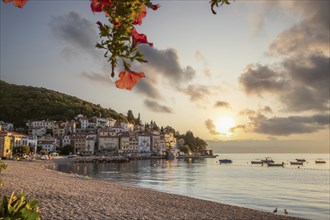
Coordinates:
(19,208)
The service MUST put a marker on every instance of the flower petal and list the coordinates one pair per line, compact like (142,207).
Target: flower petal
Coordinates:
(141,15)
(128,79)
(96,6)
(139,38)
(20,3)
(154,7)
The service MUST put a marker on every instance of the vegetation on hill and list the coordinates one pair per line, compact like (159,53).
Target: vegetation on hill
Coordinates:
(21,103)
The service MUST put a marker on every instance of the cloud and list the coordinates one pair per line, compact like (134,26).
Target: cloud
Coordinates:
(222,104)
(266,109)
(166,64)
(259,19)
(197,92)
(148,89)
(284,126)
(311,34)
(258,79)
(154,106)
(98,77)
(77,33)
(302,86)
(309,88)
(200,58)
(211,127)
(300,80)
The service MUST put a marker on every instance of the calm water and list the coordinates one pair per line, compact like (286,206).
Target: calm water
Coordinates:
(303,191)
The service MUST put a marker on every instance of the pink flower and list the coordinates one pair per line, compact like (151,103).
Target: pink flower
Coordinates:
(128,79)
(17,3)
(139,38)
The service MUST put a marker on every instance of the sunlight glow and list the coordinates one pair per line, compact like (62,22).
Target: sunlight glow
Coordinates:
(223,125)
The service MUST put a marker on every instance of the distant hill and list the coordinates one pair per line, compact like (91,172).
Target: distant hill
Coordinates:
(18,104)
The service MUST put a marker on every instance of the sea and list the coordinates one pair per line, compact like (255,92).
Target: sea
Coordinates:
(304,190)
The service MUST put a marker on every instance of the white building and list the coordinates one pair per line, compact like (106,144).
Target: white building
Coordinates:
(127,126)
(144,144)
(124,143)
(48,143)
(90,143)
(108,141)
(101,122)
(6,126)
(38,131)
(133,144)
(49,124)
(83,122)
(30,141)
(155,144)
(37,124)
(66,140)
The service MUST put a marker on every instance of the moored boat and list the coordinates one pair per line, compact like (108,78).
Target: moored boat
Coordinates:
(320,161)
(256,162)
(275,164)
(297,163)
(268,160)
(225,161)
(301,160)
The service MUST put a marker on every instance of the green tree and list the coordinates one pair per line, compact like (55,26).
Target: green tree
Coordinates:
(67,150)
(200,144)
(185,149)
(130,117)
(21,150)
(43,152)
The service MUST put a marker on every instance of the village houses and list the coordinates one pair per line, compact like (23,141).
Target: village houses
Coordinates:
(87,136)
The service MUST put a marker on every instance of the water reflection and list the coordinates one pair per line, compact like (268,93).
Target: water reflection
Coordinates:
(303,191)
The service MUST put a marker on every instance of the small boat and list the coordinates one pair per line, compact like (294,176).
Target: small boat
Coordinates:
(320,161)
(301,160)
(275,164)
(268,160)
(225,161)
(297,163)
(257,162)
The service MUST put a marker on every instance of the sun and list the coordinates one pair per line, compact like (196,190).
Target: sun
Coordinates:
(223,125)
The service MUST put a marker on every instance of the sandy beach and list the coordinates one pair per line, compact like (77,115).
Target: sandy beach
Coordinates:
(67,196)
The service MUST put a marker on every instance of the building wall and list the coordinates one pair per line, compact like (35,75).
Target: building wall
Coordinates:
(124,144)
(5,146)
(79,145)
(90,145)
(108,143)
(144,144)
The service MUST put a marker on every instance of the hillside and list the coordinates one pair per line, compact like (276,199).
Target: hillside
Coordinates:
(21,103)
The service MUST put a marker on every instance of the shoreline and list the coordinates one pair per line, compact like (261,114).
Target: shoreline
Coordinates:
(67,196)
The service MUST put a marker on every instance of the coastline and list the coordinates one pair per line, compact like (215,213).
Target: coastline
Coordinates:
(67,196)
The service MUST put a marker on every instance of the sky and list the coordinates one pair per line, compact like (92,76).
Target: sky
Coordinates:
(253,78)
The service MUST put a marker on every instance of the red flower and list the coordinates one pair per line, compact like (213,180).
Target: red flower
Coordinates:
(139,38)
(98,5)
(128,79)
(139,17)
(17,3)
(117,23)
(154,7)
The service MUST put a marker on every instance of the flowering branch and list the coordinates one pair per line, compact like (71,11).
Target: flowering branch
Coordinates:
(119,37)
